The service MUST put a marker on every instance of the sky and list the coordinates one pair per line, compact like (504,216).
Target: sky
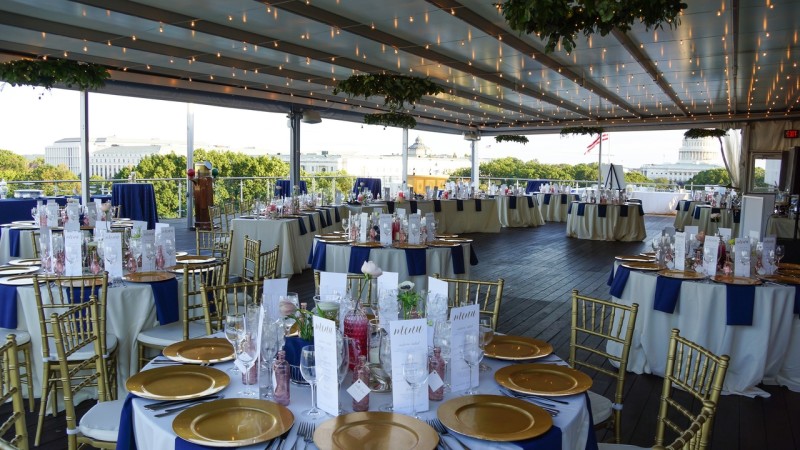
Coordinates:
(32,118)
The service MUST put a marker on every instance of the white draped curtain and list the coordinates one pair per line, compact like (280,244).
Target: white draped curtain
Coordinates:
(732,150)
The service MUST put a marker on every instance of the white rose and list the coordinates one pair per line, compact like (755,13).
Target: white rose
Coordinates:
(405,286)
(371,269)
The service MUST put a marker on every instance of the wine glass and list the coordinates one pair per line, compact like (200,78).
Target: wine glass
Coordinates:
(135,247)
(169,250)
(485,335)
(234,326)
(780,251)
(745,259)
(110,257)
(308,368)
(442,339)
(149,253)
(709,256)
(415,372)
(247,353)
(269,346)
(472,354)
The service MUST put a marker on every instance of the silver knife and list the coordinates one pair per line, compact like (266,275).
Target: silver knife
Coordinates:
(167,412)
(170,403)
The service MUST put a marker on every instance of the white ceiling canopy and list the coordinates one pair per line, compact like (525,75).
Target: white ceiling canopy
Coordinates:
(728,60)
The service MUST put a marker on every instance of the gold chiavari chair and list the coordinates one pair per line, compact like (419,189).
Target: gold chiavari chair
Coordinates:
(229,209)
(356,288)
(24,346)
(694,372)
(54,295)
(251,249)
(245,207)
(594,323)
(76,334)
(217,218)
(213,242)
(232,298)
(35,243)
(193,303)
(487,294)
(695,437)
(10,391)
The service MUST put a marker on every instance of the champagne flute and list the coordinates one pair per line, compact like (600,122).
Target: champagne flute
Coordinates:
(415,372)
(308,368)
(485,335)
(234,323)
(472,354)
(709,256)
(111,256)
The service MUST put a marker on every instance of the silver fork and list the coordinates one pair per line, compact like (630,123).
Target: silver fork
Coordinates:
(306,431)
(442,442)
(439,426)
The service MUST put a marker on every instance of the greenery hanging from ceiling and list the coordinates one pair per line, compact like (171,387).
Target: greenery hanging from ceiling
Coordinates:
(581,130)
(511,138)
(49,72)
(392,119)
(562,20)
(699,133)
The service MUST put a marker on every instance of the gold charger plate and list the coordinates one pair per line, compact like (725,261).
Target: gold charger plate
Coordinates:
(367,244)
(17,270)
(148,277)
(790,266)
(200,351)
(787,272)
(741,281)
(459,240)
(19,280)
(177,382)
(25,262)
(543,379)
(634,258)
(641,265)
(406,245)
(783,279)
(442,236)
(340,240)
(233,422)
(24,227)
(515,348)
(494,417)
(194,259)
(439,243)
(374,429)
(681,274)
(648,254)
(22,222)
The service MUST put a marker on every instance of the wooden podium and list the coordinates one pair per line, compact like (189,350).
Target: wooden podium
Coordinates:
(203,192)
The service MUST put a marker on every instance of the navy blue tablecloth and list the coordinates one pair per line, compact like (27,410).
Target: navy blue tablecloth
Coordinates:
(534,186)
(138,201)
(373,184)
(286,188)
(165,296)
(12,209)
(8,306)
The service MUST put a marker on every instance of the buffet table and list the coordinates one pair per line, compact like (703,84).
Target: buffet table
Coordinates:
(766,351)
(782,227)
(606,222)
(522,211)
(659,202)
(554,207)
(573,420)
(138,201)
(709,220)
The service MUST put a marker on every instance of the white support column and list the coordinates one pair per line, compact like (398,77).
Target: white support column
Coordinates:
(189,165)
(475,168)
(404,174)
(600,164)
(85,147)
(294,153)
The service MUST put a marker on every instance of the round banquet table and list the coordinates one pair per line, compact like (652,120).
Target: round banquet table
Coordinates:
(685,213)
(659,202)
(138,201)
(782,227)
(701,217)
(525,211)
(24,244)
(767,351)
(452,217)
(606,222)
(12,209)
(554,206)
(573,419)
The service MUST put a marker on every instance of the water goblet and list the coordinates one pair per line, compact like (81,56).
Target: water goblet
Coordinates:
(269,346)
(485,335)
(415,372)
(308,369)
(744,258)
(709,256)
(234,327)
(149,253)
(442,339)
(472,354)
(780,251)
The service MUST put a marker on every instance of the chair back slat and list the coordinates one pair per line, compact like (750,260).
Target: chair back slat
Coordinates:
(356,289)
(231,298)
(487,294)
(196,278)
(10,391)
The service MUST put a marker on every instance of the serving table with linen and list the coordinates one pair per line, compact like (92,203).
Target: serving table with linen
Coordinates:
(295,236)
(709,220)
(554,206)
(659,202)
(757,326)
(781,226)
(571,429)
(606,222)
(519,211)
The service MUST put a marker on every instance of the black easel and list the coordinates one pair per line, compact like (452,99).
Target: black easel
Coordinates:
(612,179)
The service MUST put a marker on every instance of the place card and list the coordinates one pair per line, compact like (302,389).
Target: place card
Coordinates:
(331,283)
(385,224)
(325,355)
(166,236)
(408,337)
(741,250)
(91,214)
(413,229)
(363,227)
(273,290)
(73,244)
(52,214)
(112,254)
(680,250)
(767,246)
(711,244)
(464,321)
(148,258)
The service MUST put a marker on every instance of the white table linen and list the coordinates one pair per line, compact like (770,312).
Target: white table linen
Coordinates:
(554,211)
(659,202)
(25,245)
(684,215)
(522,216)
(782,227)
(612,227)
(705,223)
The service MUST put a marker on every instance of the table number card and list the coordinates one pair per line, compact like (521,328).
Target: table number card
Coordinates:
(385,223)
(430,224)
(401,213)
(73,244)
(712,243)
(363,230)
(112,254)
(273,289)
(325,353)
(332,283)
(168,235)
(766,247)
(408,337)
(740,267)
(464,320)
(148,259)
(413,228)
(680,250)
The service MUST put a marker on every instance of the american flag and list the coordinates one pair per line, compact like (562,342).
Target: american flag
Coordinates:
(595,143)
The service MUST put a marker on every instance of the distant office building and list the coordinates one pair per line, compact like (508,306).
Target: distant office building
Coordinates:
(694,156)
(107,155)
(65,151)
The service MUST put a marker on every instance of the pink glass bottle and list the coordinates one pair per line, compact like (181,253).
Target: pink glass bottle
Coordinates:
(356,326)
(436,364)
(361,373)
(282,374)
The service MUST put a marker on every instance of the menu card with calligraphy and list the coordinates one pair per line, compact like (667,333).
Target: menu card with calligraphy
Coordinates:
(464,321)
(711,244)
(166,239)
(273,289)
(325,353)
(680,250)
(385,224)
(148,250)
(73,222)
(52,214)
(332,283)
(408,337)
(91,213)
(766,247)
(363,227)
(112,254)
(741,250)
(413,228)
(73,245)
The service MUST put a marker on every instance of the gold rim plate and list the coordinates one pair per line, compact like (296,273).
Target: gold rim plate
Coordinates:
(442,236)
(790,266)
(641,266)
(149,277)
(200,351)
(179,254)
(24,262)
(403,245)
(194,259)
(21,280)
(516,348)
(336,241)
(233,422)
(543,379)
(23,222)
(375,430)
(177,382)
(440,243)
(17,270)
(634,258)
(23,227)
(783,279)
(494,418)
(367,244)
(681,274)
(741,281)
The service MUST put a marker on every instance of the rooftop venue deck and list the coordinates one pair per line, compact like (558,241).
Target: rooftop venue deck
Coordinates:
(541,266)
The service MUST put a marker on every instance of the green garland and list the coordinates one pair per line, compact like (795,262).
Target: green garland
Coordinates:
(581,130)
(396,90)
(391,119)
(49,72)
(562,20)
(699,133)
(511,138)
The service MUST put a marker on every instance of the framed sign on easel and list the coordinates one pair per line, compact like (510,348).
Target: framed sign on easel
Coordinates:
(613,175)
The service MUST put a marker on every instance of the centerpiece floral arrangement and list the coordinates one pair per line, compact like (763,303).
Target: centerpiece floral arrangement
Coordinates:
(409,299)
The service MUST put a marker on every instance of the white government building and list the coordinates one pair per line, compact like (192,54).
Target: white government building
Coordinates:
(694,156)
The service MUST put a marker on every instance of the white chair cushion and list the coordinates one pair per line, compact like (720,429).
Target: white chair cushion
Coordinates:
(86,353)
(21,336)
(164,335)
(101,423)
(601,407)
(606,446)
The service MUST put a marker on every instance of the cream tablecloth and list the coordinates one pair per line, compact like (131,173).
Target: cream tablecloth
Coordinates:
(782,227)
(557,206)
(659,202)
(701,217)
(25,245)
(684,213)
(521,216)
(612,227)
(450,220)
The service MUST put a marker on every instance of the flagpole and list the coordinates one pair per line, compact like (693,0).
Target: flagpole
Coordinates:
(599,164)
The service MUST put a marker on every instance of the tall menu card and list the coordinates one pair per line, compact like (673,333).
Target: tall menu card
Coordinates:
(680,250)
(273,289)
(711,244)
(91,213)
(741,251)
(52,214)
(73,215)
(408,337)
(166,239)
(148,250)
(332,283)
(73,244)
(385,223)
(363,227)
(464,321)
(413,229)
(325,353)
(112,254)
(430,224)
(388,281)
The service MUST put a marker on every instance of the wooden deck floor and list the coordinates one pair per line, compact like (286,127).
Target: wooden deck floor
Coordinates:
(541,266)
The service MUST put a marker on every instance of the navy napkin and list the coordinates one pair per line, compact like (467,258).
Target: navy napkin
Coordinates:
(336,214)
(564,199)
(581,208)
(358,255)
(740,303)
(473,257)
(512,202)
(302,226)
(623,210)
(797,299)
(696,212)
(125,439)
(415,259)
(678,206)
(437,205)
(641,209)
(413,206)
(569,209)
(457,253)
(667,292)
(547,198)
(478,205)
(390,207)
(602,210)
(459,205)
(686,205)
(13,242)
(620,280)
(322,222)
(8,306)
(165,295)
(530,202)
(318,256)
(311,222)
(328,217)
(737,215)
